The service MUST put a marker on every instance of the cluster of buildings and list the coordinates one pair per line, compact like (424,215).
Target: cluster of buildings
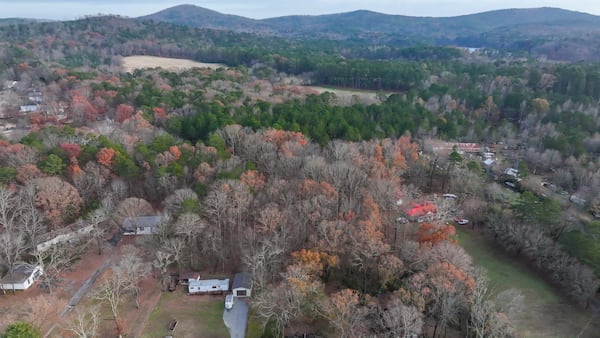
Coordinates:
(241,286)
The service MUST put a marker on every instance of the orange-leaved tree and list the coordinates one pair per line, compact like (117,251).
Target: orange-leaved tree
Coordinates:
(105,156)
(432,234)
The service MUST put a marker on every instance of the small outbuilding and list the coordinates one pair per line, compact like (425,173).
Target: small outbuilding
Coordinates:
(242,285)
(511,172)
(22,277)
(29,108)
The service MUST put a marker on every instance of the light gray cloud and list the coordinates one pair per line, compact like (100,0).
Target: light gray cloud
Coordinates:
(70,9)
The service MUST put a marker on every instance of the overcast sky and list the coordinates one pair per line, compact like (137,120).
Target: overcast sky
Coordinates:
(258,9)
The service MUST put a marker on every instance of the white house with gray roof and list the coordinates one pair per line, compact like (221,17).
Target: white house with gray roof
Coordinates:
(141,225)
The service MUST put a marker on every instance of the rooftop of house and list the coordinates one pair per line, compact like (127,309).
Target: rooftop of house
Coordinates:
(242,280)
(141,222)
(20,273)
(208,285)
(421,209)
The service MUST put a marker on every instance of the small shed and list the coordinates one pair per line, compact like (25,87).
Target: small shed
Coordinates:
(22,277)
(141,225)
(242,284)
(29,108)
(512,172)
(185,277)
(208,286)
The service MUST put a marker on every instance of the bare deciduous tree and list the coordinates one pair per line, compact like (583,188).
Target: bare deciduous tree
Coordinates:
(402,320)
(42,309)
(12,247)
(131,268)
(33,224)
(262,260)
(111,292)
(55,260)
(345,313)
(8,205)
(84,323)
(491,316)
(175,202)
(96,219)
(190,226)
(233,135)
(92,180)
(161,262)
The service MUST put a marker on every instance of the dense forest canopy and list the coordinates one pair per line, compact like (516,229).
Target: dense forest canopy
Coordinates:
(254,168)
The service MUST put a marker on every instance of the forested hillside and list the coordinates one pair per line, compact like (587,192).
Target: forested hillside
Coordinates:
(252,169)
(550,32)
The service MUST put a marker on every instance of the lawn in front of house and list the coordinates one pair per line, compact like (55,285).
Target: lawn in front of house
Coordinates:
(197,316)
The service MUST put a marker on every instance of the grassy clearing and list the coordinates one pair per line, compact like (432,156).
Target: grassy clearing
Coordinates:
(131,63)
(504,273)
(546,312)
(254,329)
(196,315)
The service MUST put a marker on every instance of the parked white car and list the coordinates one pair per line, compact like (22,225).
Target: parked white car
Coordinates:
(461,221)
(228,302)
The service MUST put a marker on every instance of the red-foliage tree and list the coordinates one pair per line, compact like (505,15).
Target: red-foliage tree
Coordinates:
(279,137)
(433,234)
(58,199)
(72,150)
(82,108)
(27,172)
(174,150)
(124,111)
(254,179)
(73,170)
(159,113)
(105,156)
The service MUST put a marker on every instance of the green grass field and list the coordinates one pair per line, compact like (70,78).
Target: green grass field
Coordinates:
(503,272)
(197,316)
(546,312)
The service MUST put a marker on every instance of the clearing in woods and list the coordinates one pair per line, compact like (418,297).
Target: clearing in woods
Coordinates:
(344,95)
(546,313)
(131,63)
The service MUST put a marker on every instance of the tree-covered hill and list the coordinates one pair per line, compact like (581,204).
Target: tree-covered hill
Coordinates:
(539,31)
(195,16)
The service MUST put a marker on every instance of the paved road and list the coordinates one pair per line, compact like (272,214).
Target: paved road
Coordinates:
(81,292)
(236,319)
(86,285)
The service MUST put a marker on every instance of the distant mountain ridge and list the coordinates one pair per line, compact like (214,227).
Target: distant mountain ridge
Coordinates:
(195,16)
(535,30)
(20,21)
(346,25)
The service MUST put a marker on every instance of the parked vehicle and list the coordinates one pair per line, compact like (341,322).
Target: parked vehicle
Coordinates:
(229,302)
(461,221)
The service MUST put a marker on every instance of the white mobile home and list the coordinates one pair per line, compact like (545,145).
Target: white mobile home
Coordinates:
(208,286)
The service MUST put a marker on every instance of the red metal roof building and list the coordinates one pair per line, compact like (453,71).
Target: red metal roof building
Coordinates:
(423,209)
